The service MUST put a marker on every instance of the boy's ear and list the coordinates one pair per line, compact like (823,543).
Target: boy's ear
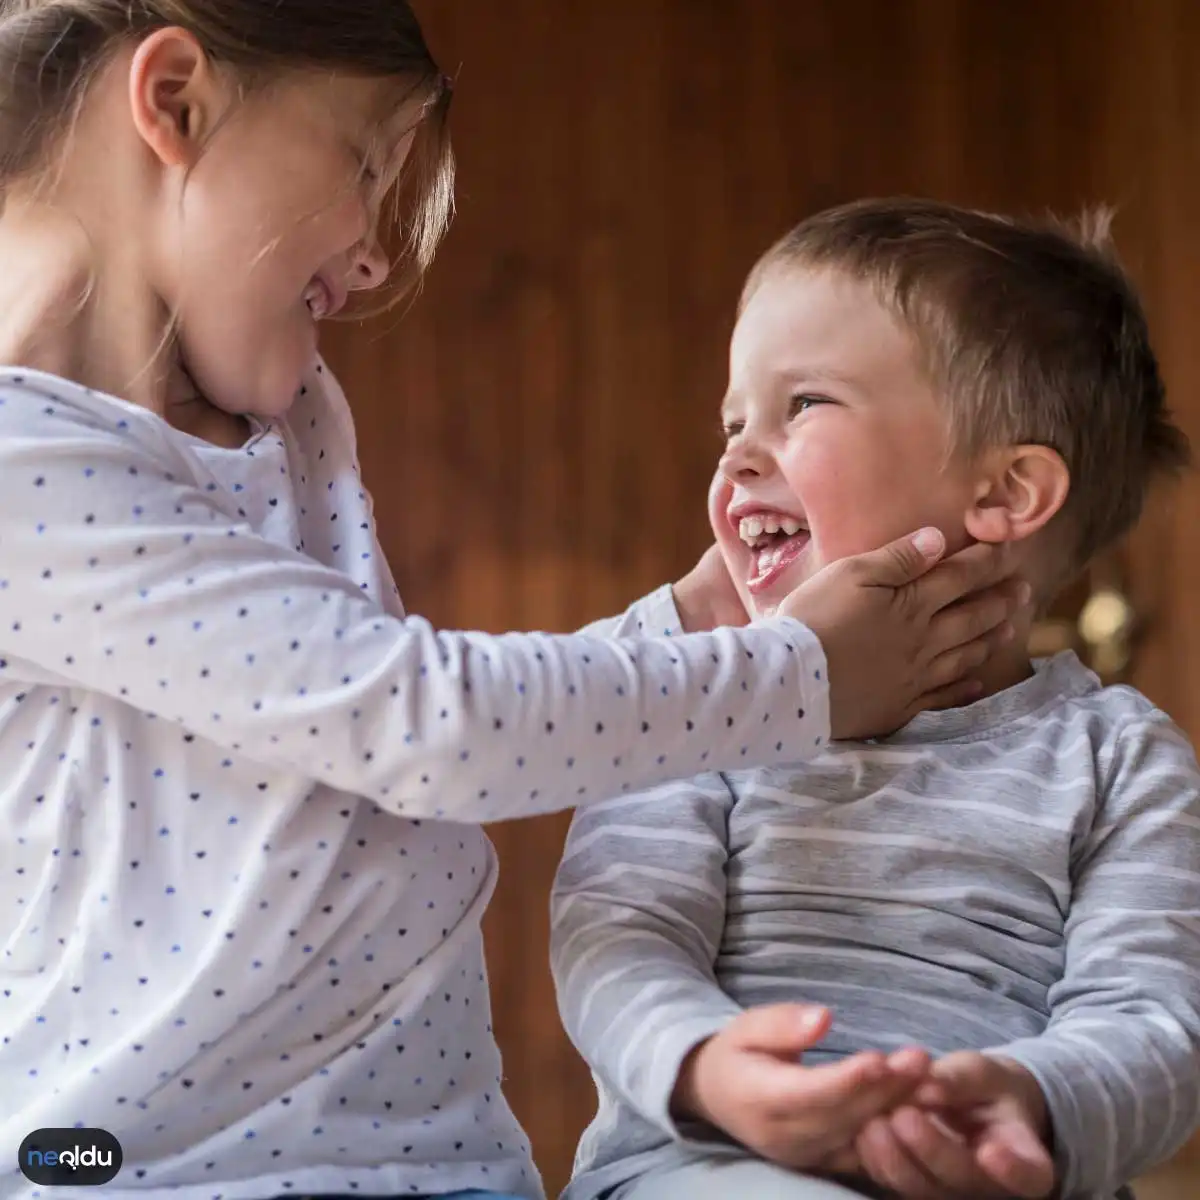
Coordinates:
(176,97)
(1020,490)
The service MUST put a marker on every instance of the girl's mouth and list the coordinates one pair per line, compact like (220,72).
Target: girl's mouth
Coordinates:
(321,299)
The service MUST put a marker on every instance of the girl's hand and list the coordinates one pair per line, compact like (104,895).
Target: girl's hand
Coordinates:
(900,637)
(705,597)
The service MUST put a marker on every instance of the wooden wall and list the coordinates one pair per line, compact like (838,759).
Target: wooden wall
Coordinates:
(540,429)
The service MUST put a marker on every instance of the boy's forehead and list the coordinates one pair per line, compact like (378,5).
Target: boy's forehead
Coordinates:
(816,326)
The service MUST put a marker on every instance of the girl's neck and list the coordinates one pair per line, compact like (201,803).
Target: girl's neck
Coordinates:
(102,327)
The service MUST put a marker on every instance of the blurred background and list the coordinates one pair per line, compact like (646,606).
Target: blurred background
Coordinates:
(539,430)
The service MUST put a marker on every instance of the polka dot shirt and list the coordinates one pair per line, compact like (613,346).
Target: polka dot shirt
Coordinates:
(242,791)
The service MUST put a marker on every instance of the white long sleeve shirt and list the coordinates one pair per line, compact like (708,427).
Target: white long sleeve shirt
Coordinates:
(242,873)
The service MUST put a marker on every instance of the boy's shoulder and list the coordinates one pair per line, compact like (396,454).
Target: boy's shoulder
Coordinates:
(1063,724)
(1116,715)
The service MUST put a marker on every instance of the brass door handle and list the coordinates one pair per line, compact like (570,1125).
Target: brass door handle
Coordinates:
(1102,635)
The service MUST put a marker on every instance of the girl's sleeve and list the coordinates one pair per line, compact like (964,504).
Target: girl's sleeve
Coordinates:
(122,574)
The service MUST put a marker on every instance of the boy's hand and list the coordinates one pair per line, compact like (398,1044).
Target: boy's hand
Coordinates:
(748,1081)
(976,1130)
(900,637)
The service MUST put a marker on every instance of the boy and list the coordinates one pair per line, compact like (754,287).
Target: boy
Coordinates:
(982,934)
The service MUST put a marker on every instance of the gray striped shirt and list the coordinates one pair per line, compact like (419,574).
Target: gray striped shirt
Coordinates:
(1022,875)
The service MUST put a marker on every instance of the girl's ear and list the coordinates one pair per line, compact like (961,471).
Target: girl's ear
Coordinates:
(1022,488)
(176,97)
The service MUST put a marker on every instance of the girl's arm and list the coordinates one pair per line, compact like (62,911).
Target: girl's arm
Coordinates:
(119,573)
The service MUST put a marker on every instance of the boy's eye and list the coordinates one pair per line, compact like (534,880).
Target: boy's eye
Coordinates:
(730,429)
(805,401)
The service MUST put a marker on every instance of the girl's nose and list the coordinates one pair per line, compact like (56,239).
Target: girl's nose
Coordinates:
(370,266)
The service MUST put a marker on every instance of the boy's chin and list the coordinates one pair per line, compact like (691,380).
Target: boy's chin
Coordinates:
(766,604)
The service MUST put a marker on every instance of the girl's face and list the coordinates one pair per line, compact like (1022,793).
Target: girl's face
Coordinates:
(271,228)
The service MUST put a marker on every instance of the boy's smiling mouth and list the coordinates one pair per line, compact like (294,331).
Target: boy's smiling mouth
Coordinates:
(775,539)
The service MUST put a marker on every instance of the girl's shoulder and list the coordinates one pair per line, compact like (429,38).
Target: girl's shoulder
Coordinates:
(42,410)
(35,405)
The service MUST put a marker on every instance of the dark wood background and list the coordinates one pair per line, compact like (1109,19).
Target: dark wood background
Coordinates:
(539,430)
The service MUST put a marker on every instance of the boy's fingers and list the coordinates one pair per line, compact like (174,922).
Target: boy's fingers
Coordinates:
(830,1106)
(965,1077)
(1013,1155)
(810,1094)
(889,1162)
(943,1156)
(779,1028)
(912,1061)
(844,1161)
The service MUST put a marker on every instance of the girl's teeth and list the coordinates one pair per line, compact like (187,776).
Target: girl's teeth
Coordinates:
(317,299)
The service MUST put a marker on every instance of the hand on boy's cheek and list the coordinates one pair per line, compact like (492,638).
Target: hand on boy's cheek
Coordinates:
(706,596)
(720,496)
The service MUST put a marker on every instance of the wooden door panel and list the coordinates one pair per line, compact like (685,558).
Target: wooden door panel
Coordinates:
(538,431)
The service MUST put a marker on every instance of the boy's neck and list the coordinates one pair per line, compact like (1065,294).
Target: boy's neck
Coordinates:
(1009,664)
(1006,668)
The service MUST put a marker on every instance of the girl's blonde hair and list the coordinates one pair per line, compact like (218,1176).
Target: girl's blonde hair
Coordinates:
(51,50)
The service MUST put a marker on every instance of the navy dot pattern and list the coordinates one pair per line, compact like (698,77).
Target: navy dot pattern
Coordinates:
(219,941)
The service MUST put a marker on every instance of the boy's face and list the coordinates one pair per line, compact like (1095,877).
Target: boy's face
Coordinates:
(837,443)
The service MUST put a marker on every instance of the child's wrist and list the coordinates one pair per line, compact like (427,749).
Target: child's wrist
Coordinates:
(1025,1088)
(686,1101)
(693,616)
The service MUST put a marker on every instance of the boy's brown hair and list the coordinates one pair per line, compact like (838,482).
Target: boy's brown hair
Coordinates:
(1032,332)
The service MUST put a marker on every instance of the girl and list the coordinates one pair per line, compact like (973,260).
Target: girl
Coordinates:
(243,873)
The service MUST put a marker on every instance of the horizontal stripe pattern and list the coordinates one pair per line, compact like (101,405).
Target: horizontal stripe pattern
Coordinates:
(1020,876)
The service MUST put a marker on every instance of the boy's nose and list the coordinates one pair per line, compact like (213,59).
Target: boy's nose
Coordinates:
(745,458)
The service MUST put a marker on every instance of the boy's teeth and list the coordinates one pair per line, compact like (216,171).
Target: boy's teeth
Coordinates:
(750,528)
(767,559)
